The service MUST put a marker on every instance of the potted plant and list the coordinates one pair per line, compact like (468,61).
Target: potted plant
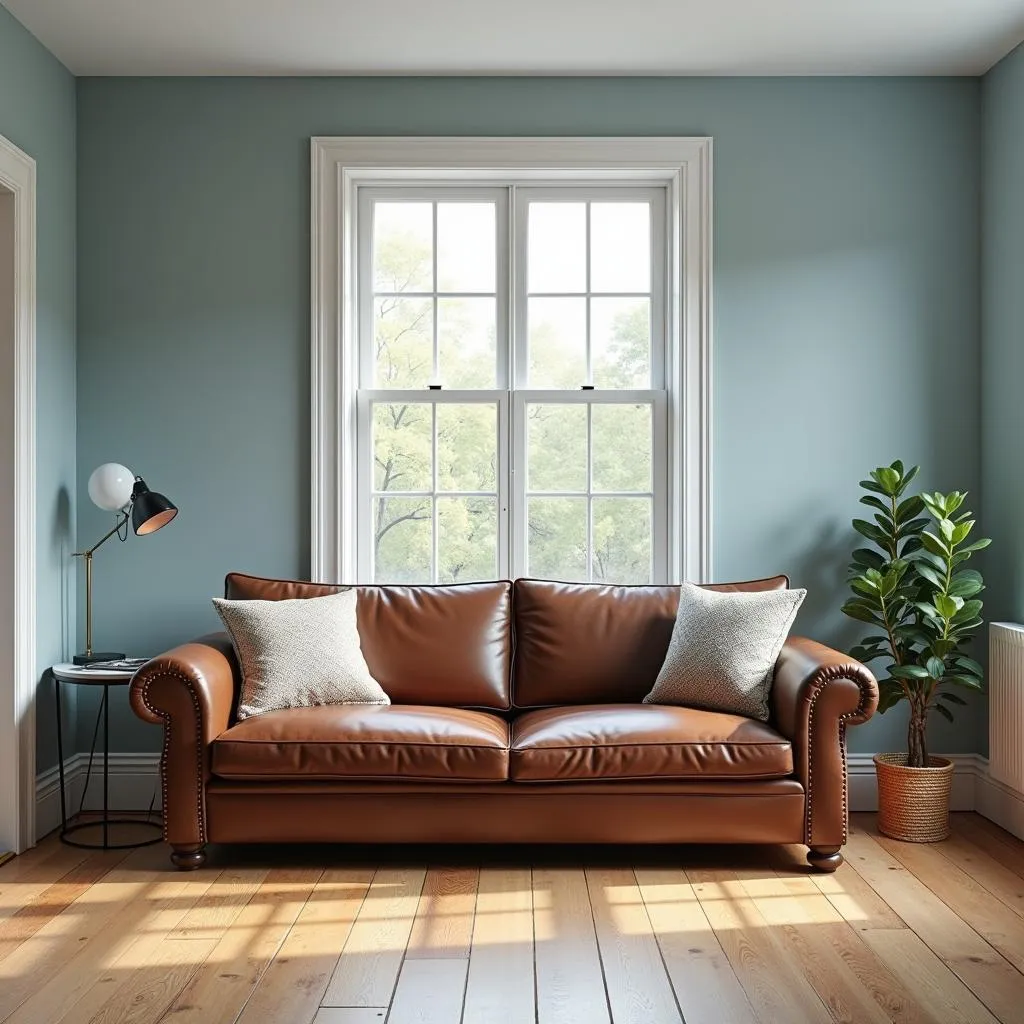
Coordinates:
(913,588)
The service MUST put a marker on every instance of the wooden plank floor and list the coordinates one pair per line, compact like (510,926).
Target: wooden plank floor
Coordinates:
(702,935)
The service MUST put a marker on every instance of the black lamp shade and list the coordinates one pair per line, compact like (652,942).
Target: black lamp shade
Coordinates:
(150,511)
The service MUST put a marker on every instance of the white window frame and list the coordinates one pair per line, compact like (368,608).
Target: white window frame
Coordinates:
(341,165)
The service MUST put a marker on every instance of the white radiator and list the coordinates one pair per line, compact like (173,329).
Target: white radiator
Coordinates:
(1006,704)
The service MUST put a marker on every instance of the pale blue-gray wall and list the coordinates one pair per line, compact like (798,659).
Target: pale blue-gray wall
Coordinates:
(1002,406)
(37,114)
(846,311)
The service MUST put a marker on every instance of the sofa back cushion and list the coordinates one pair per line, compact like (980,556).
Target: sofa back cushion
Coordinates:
(588,643)
(449,646)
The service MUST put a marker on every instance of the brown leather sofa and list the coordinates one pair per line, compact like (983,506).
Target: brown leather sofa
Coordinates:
(516,717)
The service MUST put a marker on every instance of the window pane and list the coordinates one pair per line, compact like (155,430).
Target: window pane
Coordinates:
(557,247)
(466,333)
(404,335)
(403,540)
(403,247)
(557,342)
(556,448)
(620,339)
(620,247)
(621,447)
(622,540)
(440,290)
(467,539)
(402,447)
(556,542)
(466,247)
(467,447)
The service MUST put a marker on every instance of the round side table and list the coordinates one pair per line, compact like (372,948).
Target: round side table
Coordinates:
(79,675)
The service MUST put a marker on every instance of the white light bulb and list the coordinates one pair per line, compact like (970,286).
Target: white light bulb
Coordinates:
(110,486)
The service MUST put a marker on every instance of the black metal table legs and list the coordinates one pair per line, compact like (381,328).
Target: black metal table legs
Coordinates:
(66,829)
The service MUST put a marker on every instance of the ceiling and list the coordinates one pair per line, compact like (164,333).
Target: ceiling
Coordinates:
(590,37)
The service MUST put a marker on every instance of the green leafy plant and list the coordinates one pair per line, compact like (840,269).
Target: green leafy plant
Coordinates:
(912,587)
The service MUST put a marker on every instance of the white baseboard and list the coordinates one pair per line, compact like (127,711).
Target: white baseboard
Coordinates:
(134,782)
(1001,804)
(968,770)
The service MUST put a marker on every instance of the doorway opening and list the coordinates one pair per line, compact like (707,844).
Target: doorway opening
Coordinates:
(17,498)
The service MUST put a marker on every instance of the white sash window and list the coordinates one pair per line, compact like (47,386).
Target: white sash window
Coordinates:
(512,378)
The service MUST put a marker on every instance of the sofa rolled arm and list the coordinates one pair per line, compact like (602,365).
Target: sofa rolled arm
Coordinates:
(191,692)
(816,694)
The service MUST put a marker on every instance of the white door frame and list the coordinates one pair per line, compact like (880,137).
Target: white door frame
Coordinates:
(18,532)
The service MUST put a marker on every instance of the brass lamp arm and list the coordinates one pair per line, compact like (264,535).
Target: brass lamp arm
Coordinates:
(117,526)
(87,555)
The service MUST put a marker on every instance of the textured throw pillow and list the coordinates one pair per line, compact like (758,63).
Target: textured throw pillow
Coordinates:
(723,649)
(299,654)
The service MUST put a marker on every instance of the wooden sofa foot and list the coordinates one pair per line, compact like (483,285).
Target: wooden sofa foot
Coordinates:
(188,858)
(824,858)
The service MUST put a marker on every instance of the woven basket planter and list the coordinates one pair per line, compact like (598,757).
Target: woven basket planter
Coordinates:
(913,803)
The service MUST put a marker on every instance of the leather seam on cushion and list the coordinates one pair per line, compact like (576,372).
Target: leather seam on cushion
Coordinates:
(688,796)
(655,743)
(365,586)
(166,718)
(318,777)
(355,743)
(278,786)
(822,677)
(644,778)
(483,709)
(546,787)
(624,586)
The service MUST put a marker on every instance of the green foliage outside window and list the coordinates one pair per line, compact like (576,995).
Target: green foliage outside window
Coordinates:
(466,451)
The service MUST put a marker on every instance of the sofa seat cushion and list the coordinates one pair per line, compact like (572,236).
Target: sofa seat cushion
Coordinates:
(644,741)
(364,741)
